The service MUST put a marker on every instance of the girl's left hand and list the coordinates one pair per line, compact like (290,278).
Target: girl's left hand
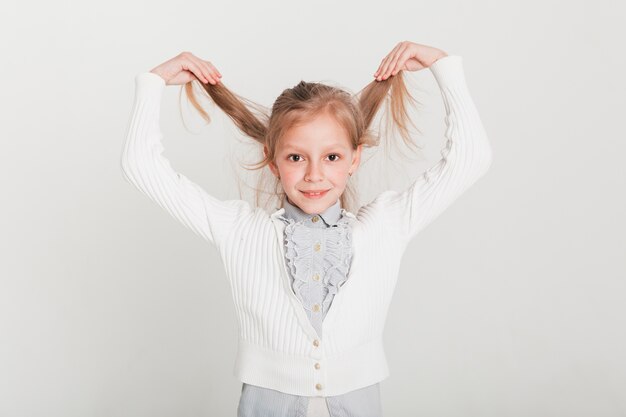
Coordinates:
(407,56)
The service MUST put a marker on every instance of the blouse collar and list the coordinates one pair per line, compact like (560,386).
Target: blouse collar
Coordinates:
(330,216)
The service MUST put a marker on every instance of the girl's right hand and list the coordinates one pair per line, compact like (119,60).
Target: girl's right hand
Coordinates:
(186,67)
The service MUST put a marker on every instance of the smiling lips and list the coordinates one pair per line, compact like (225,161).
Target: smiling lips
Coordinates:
(314,193)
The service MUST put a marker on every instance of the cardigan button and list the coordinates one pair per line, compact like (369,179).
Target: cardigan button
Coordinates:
(316,343)
(318,386)
(314,219)
(317,247)
(316,277)
(317,365)
(316,307)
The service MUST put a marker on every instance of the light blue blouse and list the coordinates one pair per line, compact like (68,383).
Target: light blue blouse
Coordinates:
(318,252)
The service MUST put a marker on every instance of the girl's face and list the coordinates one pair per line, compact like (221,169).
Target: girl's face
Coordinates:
(315,156)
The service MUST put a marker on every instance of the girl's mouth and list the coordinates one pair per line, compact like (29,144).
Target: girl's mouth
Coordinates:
(314,194)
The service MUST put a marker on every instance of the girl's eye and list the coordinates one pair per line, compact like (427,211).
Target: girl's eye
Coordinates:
(337,157)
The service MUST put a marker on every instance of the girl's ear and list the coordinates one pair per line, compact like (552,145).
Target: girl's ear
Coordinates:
(273,168)
(356,158)
(271,164)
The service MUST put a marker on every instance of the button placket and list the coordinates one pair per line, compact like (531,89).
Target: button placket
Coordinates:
(317,366)
(313,297)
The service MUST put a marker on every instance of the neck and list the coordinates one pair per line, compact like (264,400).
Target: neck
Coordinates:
(330,215)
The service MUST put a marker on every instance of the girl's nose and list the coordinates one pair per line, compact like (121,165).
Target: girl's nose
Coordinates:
(314,173)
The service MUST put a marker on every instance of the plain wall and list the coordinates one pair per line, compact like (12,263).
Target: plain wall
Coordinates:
(511,304)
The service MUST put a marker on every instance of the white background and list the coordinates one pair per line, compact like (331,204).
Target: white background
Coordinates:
(512,303)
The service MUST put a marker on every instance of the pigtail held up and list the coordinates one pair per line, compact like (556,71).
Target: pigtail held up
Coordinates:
(355,112)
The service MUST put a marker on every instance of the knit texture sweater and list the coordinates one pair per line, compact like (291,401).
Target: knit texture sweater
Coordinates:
(316,276)
(277,345)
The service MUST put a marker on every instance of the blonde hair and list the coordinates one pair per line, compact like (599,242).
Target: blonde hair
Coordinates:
(355,112)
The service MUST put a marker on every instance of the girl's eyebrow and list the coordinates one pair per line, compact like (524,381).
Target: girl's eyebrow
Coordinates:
(332,147)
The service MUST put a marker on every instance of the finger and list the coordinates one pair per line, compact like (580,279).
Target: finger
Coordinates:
(206,71)
(203,69)
(202,74)
(212,73)
(383,62)
(190,63)
(397,62)
(402,58)
(382,66)
(386,62)
(394,61)
(210,69)
(219,74)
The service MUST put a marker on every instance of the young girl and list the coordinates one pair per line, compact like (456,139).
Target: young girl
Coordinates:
(311,281)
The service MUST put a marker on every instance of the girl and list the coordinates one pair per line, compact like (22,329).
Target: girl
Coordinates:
(312,280)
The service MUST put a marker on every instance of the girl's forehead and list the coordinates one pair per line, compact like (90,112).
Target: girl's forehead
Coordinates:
(319,130)
(322,121)
(304,146)
(315,134)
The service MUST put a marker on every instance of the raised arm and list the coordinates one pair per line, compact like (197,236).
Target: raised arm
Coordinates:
(144,166)
(466,157)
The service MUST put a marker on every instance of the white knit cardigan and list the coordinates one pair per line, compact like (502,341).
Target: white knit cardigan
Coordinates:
(278,348)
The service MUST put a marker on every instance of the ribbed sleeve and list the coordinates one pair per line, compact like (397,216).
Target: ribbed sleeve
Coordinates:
(278,347)
(145,167)
(466,157)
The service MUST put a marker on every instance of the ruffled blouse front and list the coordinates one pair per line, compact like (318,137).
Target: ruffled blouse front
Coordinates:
(318,252)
